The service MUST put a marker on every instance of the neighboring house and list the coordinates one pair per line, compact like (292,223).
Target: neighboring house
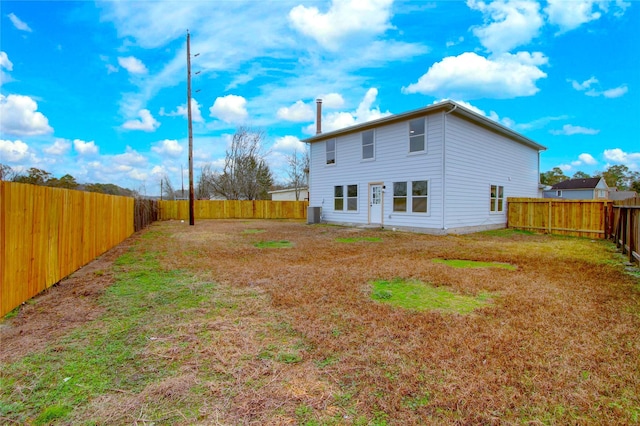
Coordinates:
(290,194)
(440,169)
(614,194)
(579,189)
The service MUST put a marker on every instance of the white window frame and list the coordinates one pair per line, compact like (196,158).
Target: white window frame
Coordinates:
(351,199)
(405,196)
(372,144)
(349,202)
(496,204)
(336,198)
(423,134)
(426,196)
(327,151)
(559,193)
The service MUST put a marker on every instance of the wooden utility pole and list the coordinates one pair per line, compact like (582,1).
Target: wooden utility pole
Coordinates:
(191,195)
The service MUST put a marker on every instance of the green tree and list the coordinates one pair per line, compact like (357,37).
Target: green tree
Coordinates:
(618,176)
(34,176)
(553,176)
(581,175)
(67,181)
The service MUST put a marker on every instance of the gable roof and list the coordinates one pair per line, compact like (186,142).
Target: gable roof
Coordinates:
(447,106)
(589,183)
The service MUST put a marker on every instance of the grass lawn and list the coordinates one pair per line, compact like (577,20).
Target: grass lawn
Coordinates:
(217,324)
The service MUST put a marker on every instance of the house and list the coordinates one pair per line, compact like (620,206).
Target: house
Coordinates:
(439,169)
(579,189)
(614,194)
(289,194)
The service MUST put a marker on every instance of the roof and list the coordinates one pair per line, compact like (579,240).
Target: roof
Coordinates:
(277,191)
(589,183)
(447,106)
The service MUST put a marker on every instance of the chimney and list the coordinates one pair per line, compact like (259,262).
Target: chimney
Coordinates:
(318,116)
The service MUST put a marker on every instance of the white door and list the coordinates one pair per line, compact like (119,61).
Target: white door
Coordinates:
(375,204)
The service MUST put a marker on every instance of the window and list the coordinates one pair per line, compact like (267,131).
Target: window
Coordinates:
(497,198)
(338,198)
(352,197)
(416,135)
(367,145)
(558,193)
(419,196)
(399,196)
(331,151)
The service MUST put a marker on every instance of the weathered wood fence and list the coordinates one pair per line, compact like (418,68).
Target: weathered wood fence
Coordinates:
(578,218)
(625,230)
(234,209)
(145,212)
(48,233)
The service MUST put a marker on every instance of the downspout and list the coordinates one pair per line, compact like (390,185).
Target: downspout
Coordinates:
(444,153)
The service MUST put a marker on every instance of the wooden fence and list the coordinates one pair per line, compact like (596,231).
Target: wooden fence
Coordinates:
(48,233)
(145,212)
(234,209)
(625,230)
(578,218)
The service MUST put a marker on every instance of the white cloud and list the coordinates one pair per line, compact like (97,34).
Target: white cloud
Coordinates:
(112,68)
(5,62)
(130,158)
(289,144)
(146,123)
(133,65)
(332,100)
(569,15)
(297,112)
(569,129)
(339,120)
(471,76)
(452,43)
(587,159)
(85,148)
(505,121)
(13,152)
(169,147)
(19,116)
(618,156)
(508,24)
(344,19)
(59,147)
(587,85)
(138,175)
(18,23)
(230,109)
(181,111)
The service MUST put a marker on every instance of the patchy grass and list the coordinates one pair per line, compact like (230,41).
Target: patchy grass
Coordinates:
(253,231)
(460,263)
(274,244)
(412,294)
(359,240)
(202,328)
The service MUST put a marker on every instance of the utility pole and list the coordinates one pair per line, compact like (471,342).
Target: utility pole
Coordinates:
(191,194)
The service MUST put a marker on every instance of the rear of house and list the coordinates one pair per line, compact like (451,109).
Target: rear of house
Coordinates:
(579,189)
(440,169)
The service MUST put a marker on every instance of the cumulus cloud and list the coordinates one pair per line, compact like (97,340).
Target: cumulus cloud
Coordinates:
(508,24)
(133,65)
(146,122)
(181,111)
(297,112)
(341,119)
(569,15)
(618,156)
(569,129)
(344,19)
(289,144)
(591,87)
(85,148)
(59,147)
(130,158)
(230,109)
(169,147)
(18,23)
(471,76)
(5,64)
(332,100)
(587,159)
(13,152)
(19,116)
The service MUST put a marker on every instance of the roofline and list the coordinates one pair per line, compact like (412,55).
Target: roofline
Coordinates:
(450,106)
(302,188)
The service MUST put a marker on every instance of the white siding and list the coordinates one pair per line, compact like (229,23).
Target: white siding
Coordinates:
(477,158)
(392,163)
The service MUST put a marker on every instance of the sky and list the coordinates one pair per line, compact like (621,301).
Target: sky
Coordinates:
(98,90)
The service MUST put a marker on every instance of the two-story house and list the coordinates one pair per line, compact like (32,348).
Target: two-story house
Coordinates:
(440,169)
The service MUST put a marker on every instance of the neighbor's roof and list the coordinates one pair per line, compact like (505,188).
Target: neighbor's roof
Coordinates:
(589,183)
(278,191)
(448,106)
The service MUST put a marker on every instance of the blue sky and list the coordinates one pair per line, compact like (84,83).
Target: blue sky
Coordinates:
(98,89)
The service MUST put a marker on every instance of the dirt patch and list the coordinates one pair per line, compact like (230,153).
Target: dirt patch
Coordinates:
(62,307)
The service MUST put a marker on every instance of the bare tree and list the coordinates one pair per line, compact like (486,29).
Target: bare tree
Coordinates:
(298,171)
(7,173)
(168,193)
(245,175)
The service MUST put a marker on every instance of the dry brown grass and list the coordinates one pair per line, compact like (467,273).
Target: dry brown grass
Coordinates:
(295,337)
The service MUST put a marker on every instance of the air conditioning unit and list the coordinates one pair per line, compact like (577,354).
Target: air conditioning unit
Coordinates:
(313,214)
